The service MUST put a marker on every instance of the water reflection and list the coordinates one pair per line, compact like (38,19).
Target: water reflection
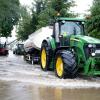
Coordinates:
(22,81)
(25,91)
(49,93)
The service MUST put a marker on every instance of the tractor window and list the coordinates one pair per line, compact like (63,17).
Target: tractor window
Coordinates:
(71,28)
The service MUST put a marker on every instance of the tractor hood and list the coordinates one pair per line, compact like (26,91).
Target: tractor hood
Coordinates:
(88,39)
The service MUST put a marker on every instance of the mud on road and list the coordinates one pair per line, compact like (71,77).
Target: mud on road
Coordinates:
(22,81)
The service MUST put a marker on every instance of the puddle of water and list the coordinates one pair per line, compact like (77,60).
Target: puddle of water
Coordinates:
(15,69)
(24,91)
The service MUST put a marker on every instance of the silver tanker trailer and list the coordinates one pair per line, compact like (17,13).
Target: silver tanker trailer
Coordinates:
(32,45)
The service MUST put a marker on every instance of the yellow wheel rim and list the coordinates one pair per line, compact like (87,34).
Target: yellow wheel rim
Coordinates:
(59,66)
(43,58)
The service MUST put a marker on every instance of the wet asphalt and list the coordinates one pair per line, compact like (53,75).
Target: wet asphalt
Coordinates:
(20,80)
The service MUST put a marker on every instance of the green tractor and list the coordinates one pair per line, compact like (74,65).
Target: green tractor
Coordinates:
(69,51)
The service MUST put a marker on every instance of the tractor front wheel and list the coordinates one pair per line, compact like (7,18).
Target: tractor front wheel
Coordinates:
(65,64)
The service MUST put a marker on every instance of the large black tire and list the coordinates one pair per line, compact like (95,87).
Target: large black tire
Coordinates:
(69,68)
(46,49)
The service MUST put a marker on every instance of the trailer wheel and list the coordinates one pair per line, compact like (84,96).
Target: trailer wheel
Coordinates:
(45,56)
(65,64)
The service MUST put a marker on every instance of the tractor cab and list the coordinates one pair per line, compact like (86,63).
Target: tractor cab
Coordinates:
(69,51)
(65,27)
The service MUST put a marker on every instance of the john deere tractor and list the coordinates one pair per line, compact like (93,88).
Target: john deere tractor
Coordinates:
(69,51)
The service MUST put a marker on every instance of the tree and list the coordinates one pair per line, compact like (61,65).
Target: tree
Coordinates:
(52,8)
(39,5)
(28,23)
(24,27)
(42,12)
(93,23)
(9,15)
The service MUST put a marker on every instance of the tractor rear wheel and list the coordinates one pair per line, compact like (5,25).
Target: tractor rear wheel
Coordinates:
(65,64)
(45,56)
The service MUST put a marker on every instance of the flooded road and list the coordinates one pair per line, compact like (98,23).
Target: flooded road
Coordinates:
(22,81)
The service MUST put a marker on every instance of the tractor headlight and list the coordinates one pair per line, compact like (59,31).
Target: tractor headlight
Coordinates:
(91,45)
(93,54)
(91,48)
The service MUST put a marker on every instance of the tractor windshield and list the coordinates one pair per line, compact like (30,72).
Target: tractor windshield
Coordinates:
(70,28)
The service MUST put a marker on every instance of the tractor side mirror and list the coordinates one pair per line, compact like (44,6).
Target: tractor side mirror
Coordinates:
(62,22)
